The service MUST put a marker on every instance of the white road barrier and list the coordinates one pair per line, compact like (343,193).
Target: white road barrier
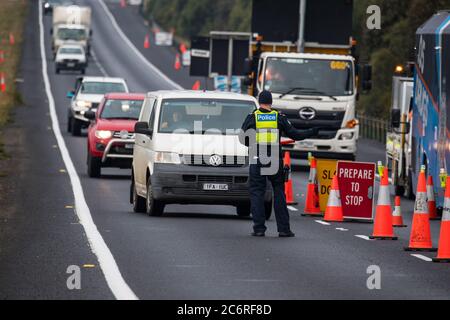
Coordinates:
(108,265)
(135,50)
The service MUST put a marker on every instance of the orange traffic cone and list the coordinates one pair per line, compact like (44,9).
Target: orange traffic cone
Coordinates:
(333,212)
(123,4)
(444,238)
(382,228)
(397,219)
(312,206)
(431,199)
(11,39)
(2,82)
(177,64)
(197,85)
(146,42)
(420,238)
(288,188)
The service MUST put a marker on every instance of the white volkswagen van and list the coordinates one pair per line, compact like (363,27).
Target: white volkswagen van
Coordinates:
(187,151)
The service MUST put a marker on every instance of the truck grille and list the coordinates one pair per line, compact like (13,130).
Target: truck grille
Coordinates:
(332,120)
(215,179)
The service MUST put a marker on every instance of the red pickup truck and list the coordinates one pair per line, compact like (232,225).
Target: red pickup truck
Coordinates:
(110,141)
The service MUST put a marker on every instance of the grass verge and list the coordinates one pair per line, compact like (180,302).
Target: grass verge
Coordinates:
(12,19)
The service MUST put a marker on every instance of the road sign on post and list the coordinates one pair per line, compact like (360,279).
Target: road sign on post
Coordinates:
(199,57)
(356,185)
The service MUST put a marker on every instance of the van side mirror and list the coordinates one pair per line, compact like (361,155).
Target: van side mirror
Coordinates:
(89,115)
(142,128)
(366,77)
(70,94)
(395,118)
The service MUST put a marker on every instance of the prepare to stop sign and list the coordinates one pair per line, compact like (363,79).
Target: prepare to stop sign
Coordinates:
(356,185)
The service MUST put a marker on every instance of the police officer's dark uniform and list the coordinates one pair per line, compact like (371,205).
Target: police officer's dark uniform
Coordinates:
(269,126)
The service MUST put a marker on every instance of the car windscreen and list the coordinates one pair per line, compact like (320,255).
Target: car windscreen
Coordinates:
(121,109)
(70,51)
(309,76)
(199,116)
(71,34)
(101,87)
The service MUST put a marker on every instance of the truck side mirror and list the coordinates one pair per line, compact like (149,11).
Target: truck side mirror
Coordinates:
(248,66)
(142,128)
(366,77)
(395,118)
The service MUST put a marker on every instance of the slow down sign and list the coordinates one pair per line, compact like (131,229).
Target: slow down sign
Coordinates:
(356,185)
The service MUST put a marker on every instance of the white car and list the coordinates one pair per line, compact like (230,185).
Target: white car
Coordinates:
(70,57)
(187,151)
(88,93)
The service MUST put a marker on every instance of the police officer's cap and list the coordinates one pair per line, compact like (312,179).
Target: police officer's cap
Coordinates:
(265,97)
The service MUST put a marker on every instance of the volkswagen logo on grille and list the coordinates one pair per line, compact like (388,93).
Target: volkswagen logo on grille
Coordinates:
(307,113)
(215,160)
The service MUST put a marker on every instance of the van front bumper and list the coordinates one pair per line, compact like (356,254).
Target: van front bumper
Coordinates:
(184,184)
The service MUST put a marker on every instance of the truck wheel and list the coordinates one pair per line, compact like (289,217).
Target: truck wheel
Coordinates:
(268,209)
(243,210)
(94,166)
(154,207)
(75,128)
(137,201)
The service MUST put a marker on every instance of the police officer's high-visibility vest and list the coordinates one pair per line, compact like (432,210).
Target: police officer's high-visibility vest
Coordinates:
(266,127)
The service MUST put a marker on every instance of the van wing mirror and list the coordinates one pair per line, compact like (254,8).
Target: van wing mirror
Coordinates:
(89,115)
(143,128)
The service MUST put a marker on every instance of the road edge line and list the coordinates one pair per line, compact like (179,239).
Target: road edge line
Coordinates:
(136,51)
(108,265)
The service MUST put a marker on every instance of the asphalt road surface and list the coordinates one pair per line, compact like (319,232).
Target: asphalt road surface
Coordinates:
(192,252)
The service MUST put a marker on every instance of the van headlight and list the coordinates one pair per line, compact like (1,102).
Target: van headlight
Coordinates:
(103,134)
(167,157)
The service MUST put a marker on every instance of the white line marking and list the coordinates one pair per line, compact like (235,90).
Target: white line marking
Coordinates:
(111,271)
(421,257)
(341,229)
(363,237)
(136,51)
(99,65)
(292,208)
(322,222)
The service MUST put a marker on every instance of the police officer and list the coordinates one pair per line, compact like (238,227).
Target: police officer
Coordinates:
(268,125)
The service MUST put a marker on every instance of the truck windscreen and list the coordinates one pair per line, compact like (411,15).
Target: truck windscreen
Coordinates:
(203,116)
(71,34)
(309,76)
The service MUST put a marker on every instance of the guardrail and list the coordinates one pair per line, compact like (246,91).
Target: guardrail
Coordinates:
(373,128)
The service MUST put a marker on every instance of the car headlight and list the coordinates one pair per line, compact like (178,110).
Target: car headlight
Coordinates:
(103,134)
(83,104)
(167,157)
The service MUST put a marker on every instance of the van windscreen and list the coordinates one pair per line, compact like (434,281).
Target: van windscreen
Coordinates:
(203,116)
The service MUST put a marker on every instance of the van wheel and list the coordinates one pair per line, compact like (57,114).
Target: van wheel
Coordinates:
(268,209)
(243,210)
(94,166)
(137,201)
(154,207)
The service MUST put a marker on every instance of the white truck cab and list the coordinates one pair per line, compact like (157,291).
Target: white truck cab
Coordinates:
(187,151)
(314,90)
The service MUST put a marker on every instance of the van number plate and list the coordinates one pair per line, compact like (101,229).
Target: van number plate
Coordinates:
(215,186)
